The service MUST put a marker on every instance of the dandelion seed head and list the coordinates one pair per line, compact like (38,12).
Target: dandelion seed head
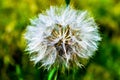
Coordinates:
(62,36)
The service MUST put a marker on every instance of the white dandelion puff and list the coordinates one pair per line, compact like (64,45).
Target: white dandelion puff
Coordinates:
(62,36)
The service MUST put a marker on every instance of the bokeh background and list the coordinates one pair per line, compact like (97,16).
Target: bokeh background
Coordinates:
(14,62)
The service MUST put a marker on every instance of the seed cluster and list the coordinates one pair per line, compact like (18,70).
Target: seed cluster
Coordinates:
(62,37)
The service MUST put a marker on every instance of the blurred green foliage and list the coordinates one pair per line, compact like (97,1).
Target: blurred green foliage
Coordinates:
(15,64)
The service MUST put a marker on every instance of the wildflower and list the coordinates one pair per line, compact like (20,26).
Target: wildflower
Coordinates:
(62,36)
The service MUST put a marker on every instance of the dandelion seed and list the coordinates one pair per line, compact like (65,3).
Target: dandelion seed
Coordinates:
(62,36)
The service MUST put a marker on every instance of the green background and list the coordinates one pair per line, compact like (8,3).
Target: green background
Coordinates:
(14,62)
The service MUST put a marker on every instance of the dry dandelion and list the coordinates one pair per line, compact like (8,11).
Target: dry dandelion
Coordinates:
(62,36)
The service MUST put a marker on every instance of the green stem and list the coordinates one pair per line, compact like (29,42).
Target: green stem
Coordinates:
(67,2)
(53,74)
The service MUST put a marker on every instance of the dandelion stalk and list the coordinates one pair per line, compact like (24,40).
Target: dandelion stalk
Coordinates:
(67,2)
(53,74)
